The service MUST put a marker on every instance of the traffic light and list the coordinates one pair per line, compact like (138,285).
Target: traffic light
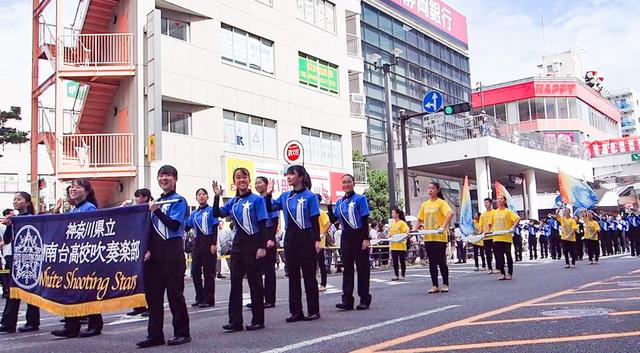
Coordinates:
(457,108)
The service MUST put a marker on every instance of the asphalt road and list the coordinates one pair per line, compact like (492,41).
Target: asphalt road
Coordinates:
(479,314)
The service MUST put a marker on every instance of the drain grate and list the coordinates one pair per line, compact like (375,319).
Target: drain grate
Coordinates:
(629,284)
(577,312)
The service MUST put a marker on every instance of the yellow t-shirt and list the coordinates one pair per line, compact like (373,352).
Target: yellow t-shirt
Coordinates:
(432,214)
(323,220)
(478,227)
(591,229)
(398,227)
(503,220)
(485,219)
(568,224)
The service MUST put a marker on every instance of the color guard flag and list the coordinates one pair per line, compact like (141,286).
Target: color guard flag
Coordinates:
(466,212)
(502,191)
(575,192)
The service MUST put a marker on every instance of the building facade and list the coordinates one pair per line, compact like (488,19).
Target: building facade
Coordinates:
(628,101)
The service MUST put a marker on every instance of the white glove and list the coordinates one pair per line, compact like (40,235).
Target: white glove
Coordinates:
(440,230)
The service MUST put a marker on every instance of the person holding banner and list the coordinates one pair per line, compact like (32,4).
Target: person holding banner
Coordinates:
(269,262)
(569,228)
(479,245)
(249,214)
(205,251)
(436,214)
(167,264)
(353,213)
(591,229)
(398,248)
(485,224)
(141,196)
(21,202)
(83,196)
(301,210)
(503,221)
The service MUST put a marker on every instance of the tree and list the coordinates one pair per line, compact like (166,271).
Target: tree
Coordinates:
(10,134)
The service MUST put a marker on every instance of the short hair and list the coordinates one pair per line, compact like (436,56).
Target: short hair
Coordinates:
(6,212)
(488,199)
(168,169)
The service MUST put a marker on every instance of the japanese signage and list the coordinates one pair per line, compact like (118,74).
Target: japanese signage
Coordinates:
(316,73)
(81,263)
(74,90)
(437,14)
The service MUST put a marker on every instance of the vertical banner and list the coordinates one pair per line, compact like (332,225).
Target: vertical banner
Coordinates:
(81,263)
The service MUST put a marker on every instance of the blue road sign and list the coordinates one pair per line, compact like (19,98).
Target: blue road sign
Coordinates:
(432,101)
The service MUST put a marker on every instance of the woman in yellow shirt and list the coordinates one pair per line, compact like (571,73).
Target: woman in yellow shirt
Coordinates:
(591,229)
(398,249)
(503,219)
(478,246)
(436,214)
(568,240)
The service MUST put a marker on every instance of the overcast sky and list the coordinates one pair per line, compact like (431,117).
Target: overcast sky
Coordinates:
(505,40)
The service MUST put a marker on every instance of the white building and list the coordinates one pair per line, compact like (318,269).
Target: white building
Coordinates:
(628,101)
(205,86)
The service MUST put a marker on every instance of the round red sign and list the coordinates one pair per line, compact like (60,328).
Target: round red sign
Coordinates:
(293,152)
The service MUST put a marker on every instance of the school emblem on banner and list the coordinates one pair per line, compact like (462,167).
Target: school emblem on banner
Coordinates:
(27,260)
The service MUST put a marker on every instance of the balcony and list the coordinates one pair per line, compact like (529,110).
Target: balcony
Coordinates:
(353,45)
(97,155)
(107,54)
(360,172)
(357,105)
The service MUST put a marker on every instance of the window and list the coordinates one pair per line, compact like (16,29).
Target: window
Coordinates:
(317,12)
(249,134)
(322,147)
(9,182)
(176,122)
(174,28)
(246,49)
(523,109)
(317,73)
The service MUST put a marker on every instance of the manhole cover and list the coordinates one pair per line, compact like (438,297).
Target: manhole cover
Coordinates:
(629,284)
(577,312)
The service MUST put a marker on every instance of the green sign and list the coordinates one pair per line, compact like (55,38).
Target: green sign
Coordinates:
(333,79)
(74,90)
(302,70)
(317,74)
(635,157)
(323,71)
(312,72)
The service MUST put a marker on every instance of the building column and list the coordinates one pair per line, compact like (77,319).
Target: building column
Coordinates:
(532,193)
(483,181)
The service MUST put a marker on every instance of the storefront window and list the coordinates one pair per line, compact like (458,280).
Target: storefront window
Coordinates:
(523,110)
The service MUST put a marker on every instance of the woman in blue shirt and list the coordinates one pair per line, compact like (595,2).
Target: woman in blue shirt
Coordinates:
(249,213)
(21,202)
(84,198)
(352,210)
(301,241)
(204,254)
(269,263)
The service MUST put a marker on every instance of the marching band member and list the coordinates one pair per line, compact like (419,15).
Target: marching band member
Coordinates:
(301,241)
(503,219)
(21,202)
(269,262)
(485,224)
(436,214)
(352,210)
(249,214)
(591,229)
(398,249)
(167,263)
(569,227)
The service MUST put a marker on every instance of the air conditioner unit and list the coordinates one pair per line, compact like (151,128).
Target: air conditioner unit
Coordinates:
(357,98)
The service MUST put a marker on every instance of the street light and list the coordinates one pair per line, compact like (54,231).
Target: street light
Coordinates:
(391,164)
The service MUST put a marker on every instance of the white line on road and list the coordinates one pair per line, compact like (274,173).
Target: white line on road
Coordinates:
(299,345)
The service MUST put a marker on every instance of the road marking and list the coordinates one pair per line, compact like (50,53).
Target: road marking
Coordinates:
(585,301)
(606,290)
(295,346)
(517,342)
(524,319)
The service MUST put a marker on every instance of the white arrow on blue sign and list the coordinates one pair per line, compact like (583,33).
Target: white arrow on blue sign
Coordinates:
(432,101)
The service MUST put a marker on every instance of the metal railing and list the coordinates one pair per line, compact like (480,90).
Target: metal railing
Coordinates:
(353,45)
(81,14)
(94,50)
(464,128)
(70,120)
(46,32)
(360,172)
(357,109)
(97,150)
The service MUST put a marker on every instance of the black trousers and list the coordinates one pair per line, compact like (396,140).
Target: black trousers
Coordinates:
(437,254)
(10,314)
(615,237)
(544,247)
(554,243)
(399,262)
(502,249)
(488,252)
(606,243)
(634,238)
(579,247)
(533,248)
(478,251)
(245,263)
(73,323)
(322,265)
(204,264)
(302,263)
(517,244)
(592,249)
(169,276)
(353,256)
(5,278)
(269,272)
(569,250)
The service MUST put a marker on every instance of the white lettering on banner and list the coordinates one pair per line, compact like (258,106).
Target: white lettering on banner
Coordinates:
(93,229)
(434,11)
(446,18)
(423,6)
(410,3)
(80,253)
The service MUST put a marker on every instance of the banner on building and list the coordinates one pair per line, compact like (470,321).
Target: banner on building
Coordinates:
(81,263)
